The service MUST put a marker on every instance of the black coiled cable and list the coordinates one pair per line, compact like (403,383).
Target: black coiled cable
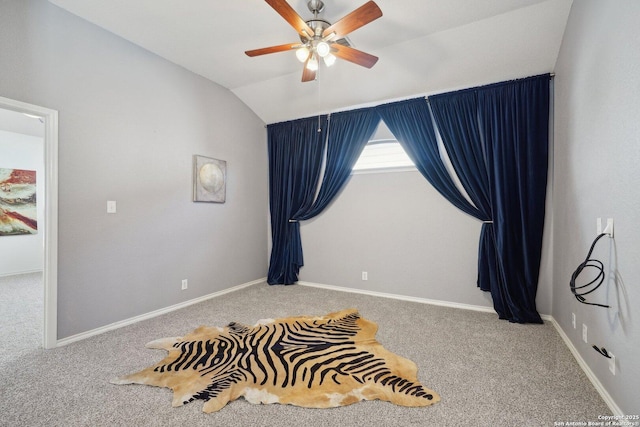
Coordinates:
(598,280)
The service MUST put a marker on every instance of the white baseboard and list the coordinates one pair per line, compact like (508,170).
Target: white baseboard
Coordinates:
(615,409)
(17,273)
(401,297)
(152,314)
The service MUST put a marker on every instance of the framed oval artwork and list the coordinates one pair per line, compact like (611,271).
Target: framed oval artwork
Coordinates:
(209,179)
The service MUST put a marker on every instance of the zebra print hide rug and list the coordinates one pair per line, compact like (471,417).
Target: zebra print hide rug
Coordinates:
(315,362)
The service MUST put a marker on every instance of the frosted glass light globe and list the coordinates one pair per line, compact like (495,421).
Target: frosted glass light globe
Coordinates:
(323,49)
(302,54)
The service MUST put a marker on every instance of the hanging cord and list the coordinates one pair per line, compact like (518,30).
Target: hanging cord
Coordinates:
(593,263)
(317,81)
(603,351)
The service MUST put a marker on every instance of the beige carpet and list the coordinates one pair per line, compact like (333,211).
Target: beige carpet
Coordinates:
(489,372)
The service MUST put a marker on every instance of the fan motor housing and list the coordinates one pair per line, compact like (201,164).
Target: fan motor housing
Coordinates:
(315,6)
(318,26)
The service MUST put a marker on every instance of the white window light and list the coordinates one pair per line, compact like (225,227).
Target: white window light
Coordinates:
(383,154)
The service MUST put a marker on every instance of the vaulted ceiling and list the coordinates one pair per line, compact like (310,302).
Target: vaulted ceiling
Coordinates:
(424,46)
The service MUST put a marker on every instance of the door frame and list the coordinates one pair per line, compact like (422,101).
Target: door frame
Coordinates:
(50,264)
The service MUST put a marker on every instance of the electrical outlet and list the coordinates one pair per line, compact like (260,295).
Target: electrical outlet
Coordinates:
(573,320)
(612,363)
(609,228)
(365,276)
(185,284)
(584,333)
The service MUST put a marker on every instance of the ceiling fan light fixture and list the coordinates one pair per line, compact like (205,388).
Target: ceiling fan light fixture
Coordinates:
(323,49)
(302,53)
(329,59)
(312,64)
(321,39)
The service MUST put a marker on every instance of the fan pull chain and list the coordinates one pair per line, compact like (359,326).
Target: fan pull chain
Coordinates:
(318,100)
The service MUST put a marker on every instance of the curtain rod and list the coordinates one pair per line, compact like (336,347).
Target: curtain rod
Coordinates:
(552,75)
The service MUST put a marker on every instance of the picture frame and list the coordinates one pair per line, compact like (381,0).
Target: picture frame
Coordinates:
(18,209)
(209,179)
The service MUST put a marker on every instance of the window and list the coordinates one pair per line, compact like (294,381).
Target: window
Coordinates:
(383,154)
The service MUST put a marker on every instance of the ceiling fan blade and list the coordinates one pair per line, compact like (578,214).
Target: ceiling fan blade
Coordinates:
(272,49)
(353,55)
(307,74)
(361,16)
(290,15)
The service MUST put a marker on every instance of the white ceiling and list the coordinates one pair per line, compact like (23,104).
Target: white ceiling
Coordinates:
(424,46)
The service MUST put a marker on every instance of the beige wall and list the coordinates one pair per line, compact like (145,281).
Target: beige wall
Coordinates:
(409,239)
(129,124)
(597,140)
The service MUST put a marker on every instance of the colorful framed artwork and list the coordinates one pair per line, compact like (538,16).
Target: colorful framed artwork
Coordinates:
(209,179)
(18,213)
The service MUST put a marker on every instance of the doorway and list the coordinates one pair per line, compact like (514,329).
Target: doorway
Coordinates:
(50,229)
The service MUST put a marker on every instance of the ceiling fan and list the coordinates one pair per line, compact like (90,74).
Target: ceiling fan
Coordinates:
(321,39)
